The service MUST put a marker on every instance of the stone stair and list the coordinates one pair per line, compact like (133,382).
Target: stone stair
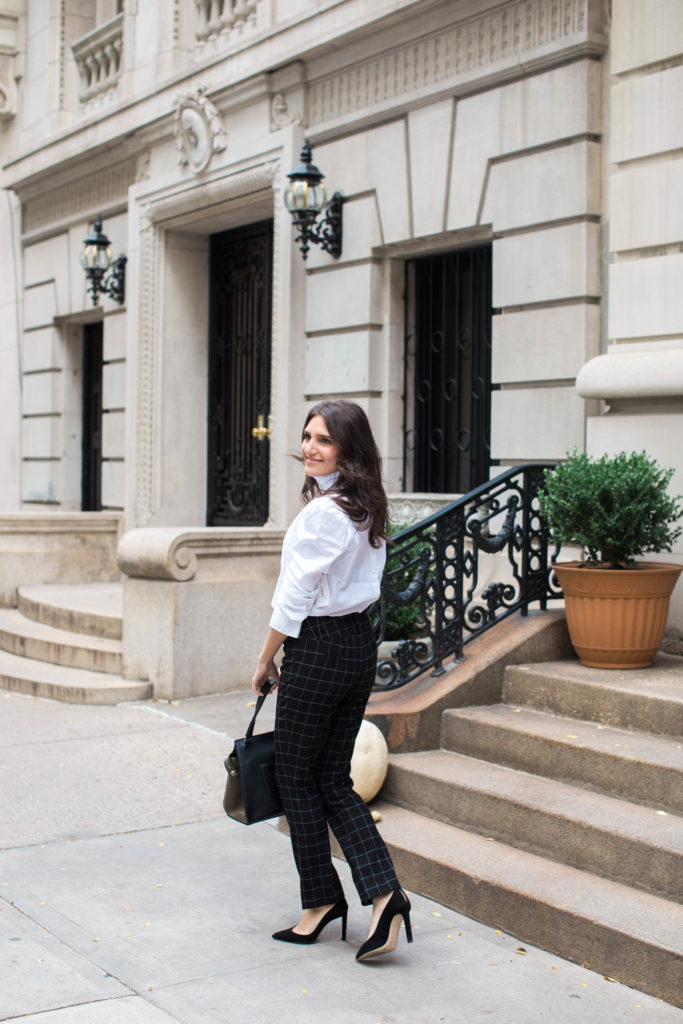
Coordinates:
(555,815)
(64,643)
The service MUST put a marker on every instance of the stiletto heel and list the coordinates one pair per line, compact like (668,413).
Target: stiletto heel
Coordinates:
(385,936)
(340,909)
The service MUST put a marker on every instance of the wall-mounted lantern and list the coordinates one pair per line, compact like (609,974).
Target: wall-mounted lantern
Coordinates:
(305,198)
(96,261)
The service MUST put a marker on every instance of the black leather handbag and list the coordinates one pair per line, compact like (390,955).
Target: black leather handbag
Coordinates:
(250,792)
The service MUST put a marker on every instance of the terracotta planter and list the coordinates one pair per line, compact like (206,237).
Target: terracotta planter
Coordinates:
(616,617)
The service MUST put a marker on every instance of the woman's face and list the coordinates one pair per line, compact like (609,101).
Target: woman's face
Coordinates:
(320,454)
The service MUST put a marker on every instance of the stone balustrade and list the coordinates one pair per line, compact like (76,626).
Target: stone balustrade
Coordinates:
(222,19)
(98,56)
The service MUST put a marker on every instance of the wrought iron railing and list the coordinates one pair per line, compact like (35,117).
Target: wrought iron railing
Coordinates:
(453,576)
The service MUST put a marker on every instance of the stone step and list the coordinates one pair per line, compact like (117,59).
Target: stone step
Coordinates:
(631,765)
(71,685)
(627,842)
(647,700)
(22,636)
(631,936)
(92,608)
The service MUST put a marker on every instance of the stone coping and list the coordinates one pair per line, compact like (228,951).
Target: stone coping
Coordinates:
(171,553)
(657,373)
(60,522)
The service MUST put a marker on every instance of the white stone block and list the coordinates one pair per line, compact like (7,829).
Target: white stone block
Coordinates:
(343,297)
(646,298)
(645,205)
(535,423)
(388,174)
(114,336)
(643,32)
(551,343)
(40,482)
(557,104)
(345,163)
(542,187)
(112,484)
(541,266)
(41,437)
(40,305)
(360,233)
(41,350)
(477,139)
(114,386)
(429,130)
(113,435)
(338,364)
(647,115)
(42,393)
(537,110)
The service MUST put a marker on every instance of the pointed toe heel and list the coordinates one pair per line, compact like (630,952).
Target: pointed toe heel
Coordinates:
(385,936)
(339,910)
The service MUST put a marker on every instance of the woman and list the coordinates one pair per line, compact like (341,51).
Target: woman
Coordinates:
(332,561)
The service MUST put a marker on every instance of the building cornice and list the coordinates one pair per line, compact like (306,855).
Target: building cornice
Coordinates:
(472,50)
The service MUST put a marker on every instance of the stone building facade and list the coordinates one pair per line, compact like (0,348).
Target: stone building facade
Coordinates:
(525,154)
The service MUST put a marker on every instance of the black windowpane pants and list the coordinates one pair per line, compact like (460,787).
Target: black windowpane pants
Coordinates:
(325,680)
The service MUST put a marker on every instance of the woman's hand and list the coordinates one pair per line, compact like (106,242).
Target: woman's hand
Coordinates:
(265,671)
(265,666)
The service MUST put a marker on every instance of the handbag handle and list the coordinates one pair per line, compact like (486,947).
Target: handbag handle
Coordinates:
(259,704)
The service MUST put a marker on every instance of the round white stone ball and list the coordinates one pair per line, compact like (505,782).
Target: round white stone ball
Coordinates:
(369,762)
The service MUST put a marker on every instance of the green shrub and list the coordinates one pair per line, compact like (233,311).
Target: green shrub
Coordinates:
(403,621)
(614,507)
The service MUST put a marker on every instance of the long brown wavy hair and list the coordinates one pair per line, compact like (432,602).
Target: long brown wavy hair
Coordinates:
(358,490)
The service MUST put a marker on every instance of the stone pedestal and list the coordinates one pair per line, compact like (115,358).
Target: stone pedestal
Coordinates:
(196,606)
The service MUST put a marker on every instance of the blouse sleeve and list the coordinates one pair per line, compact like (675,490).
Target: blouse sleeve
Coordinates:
(321,536)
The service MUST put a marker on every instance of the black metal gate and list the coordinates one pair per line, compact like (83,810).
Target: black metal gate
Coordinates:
(447,387)
(91,446)
(239,375)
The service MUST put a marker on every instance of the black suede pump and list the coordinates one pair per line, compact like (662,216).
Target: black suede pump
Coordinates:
(385,936)
(340,909)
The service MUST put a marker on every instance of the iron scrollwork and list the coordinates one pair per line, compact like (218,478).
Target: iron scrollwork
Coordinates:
(459,572)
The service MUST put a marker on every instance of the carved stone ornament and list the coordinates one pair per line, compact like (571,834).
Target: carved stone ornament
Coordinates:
(280,116)
(198,130)
(8,91)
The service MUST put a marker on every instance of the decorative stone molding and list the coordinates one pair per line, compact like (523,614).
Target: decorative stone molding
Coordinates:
(481,46)
(145,502)
(410,508)
(280,116)
(78,197)
(198,130)
(8,50)
(657,373)
(98,58)
(188,198)
(169,553)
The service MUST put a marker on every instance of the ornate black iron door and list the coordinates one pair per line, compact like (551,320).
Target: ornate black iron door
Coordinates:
(91,446)
(239,375)
(448,371)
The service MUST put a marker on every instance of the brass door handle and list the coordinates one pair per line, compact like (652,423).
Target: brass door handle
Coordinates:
(260,432)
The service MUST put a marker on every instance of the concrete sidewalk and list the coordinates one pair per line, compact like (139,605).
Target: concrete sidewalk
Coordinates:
(127,897)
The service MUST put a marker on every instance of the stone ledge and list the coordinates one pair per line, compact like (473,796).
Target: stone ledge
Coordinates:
(643,374)
(170,553)
(60,522)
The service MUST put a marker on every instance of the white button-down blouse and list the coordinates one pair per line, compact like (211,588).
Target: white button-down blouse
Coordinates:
(328,566)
